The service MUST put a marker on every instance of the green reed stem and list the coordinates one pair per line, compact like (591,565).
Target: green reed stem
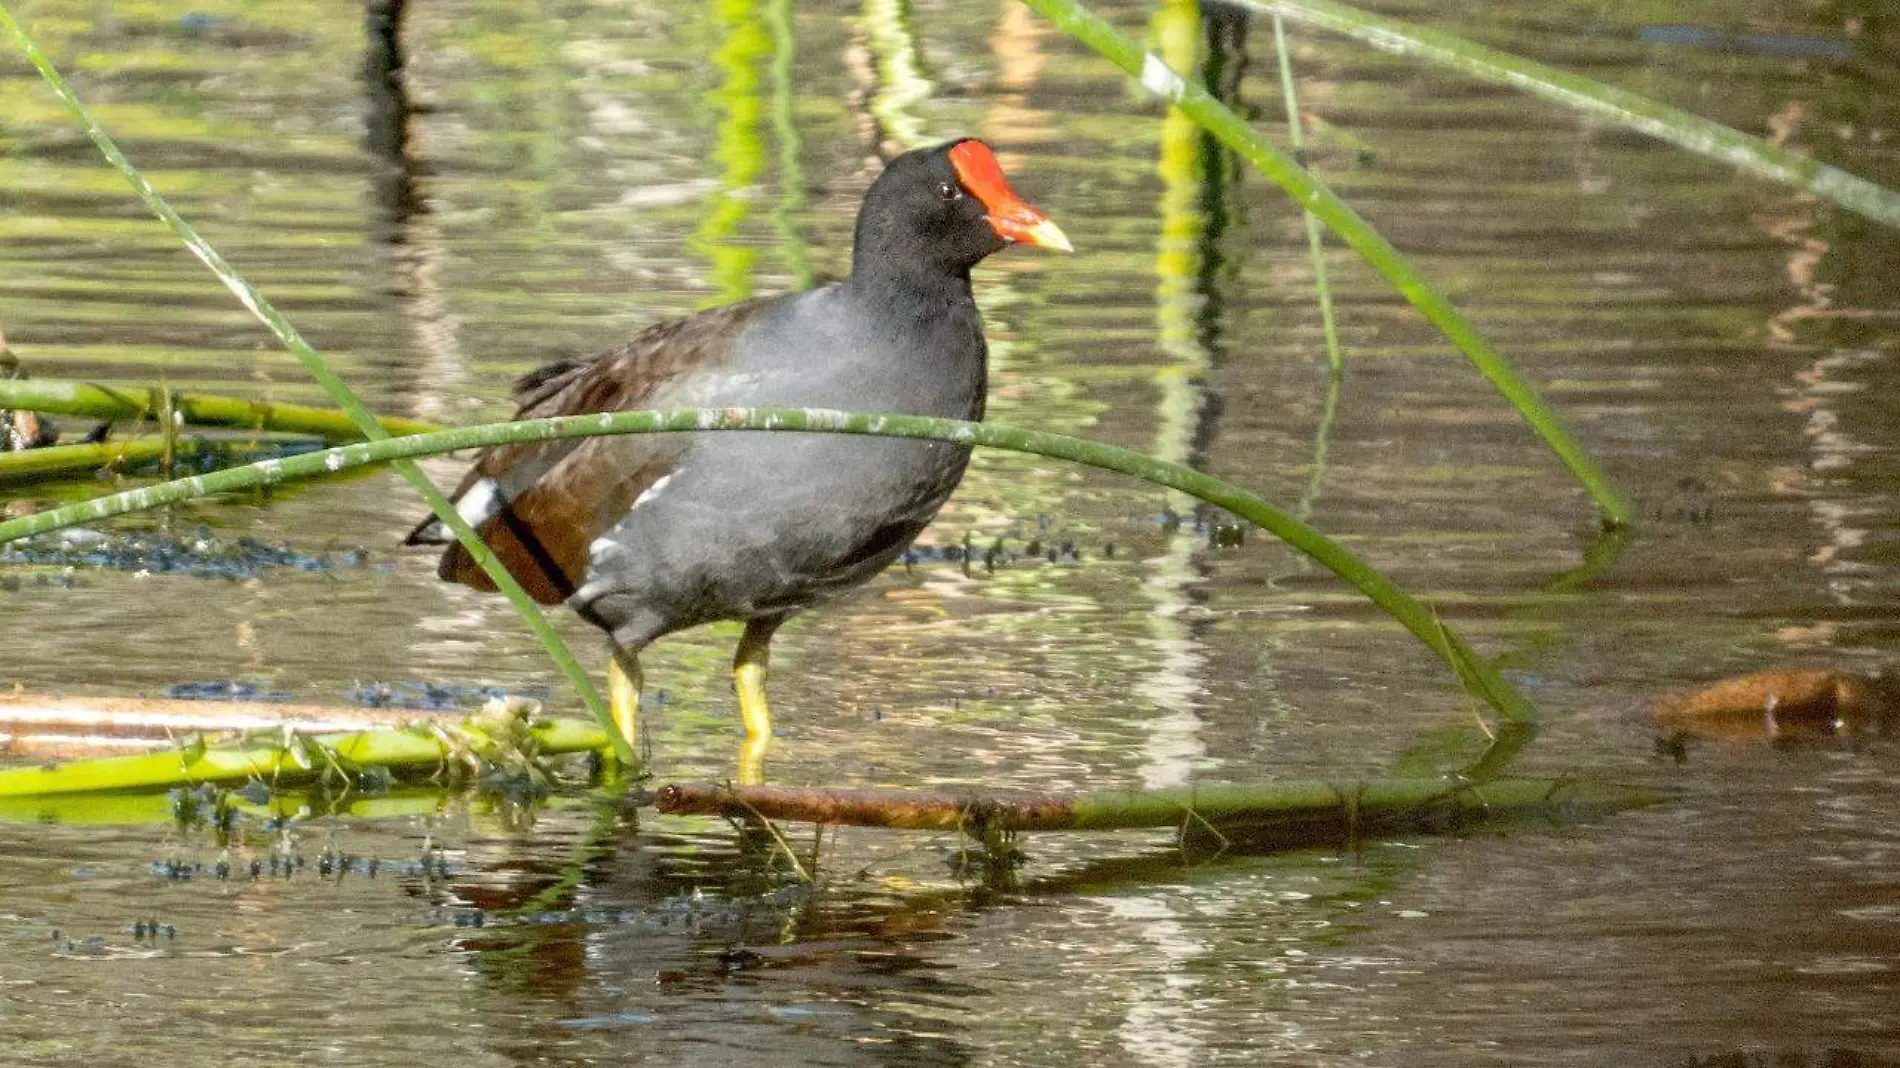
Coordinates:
(344,397)
(1328,412)
(291,758)
(1593,98)
(1315,244)
(1233,131)
(1478,677)
(84,460)
(61,397)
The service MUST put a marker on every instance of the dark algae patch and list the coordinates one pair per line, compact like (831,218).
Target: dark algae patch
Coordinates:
(201,554)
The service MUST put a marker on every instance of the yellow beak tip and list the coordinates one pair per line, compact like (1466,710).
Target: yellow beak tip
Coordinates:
(1046,234)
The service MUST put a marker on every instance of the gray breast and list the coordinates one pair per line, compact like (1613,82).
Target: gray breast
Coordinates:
(754,524)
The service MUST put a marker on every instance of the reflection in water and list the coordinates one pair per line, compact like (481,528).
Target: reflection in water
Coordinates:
(1197,181)
(1315,244)
(1018,41)
(386,131)
(566,175)
(791,173)
(739,150)
(687,939)
(1834,374)
(1160,1024)
(901,86)
(1322,434)
(1602,552)
(403,227)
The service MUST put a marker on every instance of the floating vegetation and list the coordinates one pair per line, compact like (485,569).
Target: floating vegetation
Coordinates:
(201,554)
(689,912)
(285,864)
(224,690)
(507,748)
(407,694)
(413,695)
(993,553)
(422,696)
(1044,543)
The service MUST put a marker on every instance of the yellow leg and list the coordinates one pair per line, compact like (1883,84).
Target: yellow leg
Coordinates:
(748,677)
(623,695)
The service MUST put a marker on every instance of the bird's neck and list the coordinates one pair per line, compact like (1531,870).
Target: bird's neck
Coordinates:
(904,284)
(929,333)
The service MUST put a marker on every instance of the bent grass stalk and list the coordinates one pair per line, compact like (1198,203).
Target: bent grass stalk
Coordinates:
(319,370)
(1277,167)
(1478,677)
(1595,99)
(1315,244)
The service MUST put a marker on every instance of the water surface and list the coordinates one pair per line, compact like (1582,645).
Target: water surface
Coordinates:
(568,174)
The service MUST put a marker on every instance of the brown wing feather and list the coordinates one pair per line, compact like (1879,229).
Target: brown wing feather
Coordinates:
(561,495)
(543,535)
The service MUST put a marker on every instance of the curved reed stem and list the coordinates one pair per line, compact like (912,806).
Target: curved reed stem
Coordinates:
(1234,132)
(1593,98)
(1477,676)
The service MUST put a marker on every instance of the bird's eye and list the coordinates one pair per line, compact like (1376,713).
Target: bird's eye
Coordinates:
(950,191)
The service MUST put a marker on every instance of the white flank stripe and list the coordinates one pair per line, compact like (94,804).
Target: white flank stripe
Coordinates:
(654,490)
(482,501)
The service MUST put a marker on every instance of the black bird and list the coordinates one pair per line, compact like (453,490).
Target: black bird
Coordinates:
(644,535)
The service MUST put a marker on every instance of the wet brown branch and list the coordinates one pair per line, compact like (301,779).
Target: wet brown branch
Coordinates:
(863,808)
(1296,808)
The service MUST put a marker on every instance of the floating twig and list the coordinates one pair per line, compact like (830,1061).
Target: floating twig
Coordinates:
(1294,810)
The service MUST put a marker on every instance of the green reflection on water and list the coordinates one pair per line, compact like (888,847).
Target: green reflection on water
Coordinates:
(791,172)
(739,150)
(901,82)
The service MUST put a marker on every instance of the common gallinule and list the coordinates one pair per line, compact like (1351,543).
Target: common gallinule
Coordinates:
(648,534)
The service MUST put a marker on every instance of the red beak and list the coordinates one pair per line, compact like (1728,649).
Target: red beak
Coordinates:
(1012,219)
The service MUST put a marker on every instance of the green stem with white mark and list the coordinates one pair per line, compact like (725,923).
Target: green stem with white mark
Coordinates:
(1477,676)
